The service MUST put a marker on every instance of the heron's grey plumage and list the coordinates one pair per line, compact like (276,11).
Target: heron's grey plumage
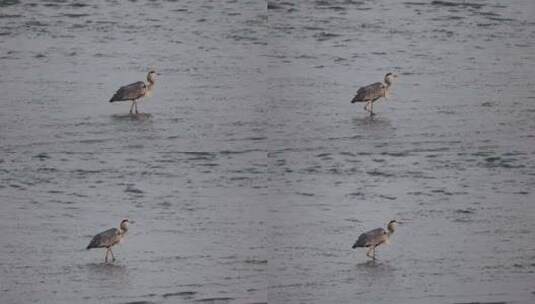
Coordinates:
(375,237)
(109,238)
(371,238)
(370,92)
(132,91)
(373,92)
(105,239)
(135,91)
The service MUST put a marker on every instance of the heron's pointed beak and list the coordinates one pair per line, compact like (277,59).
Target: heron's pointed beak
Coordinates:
(131,222)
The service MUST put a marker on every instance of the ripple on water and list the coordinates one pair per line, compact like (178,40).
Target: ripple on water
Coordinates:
(130,188)
(323,36)
(215,300)
(456,3)
(183,294)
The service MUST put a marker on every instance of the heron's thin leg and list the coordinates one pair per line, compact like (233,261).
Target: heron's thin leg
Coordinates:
(112,256)
(132,106)
(106,257)
(371,114)
(136,107)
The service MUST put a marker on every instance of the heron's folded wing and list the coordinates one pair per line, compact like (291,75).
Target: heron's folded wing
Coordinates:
(371,92)
(104,239)
(129,92)
(372,237)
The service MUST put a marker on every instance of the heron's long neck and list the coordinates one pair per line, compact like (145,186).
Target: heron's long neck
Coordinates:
(123,229)
(391,229)
(388,83)
(151,84)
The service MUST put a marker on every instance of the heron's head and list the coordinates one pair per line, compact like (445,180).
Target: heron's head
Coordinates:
(389,78)
(124,224)
(151,77)
(392,225)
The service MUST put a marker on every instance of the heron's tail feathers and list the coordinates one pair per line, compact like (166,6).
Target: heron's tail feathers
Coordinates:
(118,96)
(359,96)
(356,99)
(92,244)
(357,244)
(360,243)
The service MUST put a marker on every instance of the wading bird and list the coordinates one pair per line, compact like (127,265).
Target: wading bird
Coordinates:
(109,238)
(375,237)
(373,92)
(136,90)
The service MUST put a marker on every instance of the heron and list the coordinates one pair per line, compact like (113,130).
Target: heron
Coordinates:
(376,237)
(136,90)
(109,238)
(374,91)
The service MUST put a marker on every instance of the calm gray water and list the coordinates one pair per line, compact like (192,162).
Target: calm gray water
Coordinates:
(249,174)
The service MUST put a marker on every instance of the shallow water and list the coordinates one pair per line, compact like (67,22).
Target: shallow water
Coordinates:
(249,174)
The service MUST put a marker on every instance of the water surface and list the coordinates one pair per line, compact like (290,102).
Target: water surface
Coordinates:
(249,174)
